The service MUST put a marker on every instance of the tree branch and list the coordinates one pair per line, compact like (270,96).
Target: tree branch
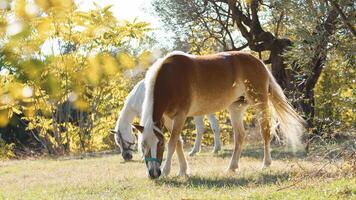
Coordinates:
(319,57)
(224,26)
(343,17)
(239,48)
(238,18)
(278,24)
(256,25)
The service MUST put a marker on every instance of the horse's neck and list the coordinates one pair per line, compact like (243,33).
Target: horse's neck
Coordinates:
(131,109)
(126,117)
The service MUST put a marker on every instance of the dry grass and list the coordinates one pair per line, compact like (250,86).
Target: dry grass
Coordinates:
(108,177)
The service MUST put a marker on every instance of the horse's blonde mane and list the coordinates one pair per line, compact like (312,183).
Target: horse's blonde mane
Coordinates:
(147,106)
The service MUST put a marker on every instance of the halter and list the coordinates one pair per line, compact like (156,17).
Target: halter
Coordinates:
(125,145)
(147,159)
(152,159)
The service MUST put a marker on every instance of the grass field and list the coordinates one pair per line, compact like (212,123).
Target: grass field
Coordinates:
(108,177)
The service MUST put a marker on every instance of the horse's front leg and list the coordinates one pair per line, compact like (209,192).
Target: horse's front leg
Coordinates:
(178,124)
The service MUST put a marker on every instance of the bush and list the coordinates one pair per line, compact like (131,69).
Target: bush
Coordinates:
(6,150)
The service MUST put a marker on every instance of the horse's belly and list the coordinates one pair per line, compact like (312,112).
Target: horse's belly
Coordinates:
(211,102)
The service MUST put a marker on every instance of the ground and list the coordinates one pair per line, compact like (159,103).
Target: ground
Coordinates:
(107,176)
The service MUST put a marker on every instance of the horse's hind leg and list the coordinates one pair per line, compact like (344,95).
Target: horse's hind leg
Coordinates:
(199,127)
(183,165)
(236,111)
(259,95)
(263,116)
(215,126)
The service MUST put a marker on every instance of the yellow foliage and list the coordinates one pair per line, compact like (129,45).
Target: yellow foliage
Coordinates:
(100,66)
(3,26)
(335,97)
(347,93)
(15,90)
(16,110)
(248,2)
(4,117)
(108,64)
(92,72)
(32,68)
(6,150)
(83,76)
(126,60)
(44,4)
(58,4)
(81,104)
(51,85)
(145,59)
(349,117)
(20,8)
(44,28)
(29,111)
(43,106)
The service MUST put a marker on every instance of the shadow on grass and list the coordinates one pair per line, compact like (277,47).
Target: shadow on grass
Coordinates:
(257,152)
(219,182)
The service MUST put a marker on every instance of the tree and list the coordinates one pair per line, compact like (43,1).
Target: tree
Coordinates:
(271,29)
(83,72)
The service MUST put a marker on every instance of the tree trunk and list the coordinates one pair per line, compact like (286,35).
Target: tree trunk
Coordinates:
(278,66)
(324,31)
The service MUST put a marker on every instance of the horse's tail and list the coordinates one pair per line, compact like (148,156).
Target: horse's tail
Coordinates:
(290,122)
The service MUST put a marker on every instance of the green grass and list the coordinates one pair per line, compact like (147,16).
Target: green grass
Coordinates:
(108,177)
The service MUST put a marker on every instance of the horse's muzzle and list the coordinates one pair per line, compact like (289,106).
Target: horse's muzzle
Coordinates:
(127,155)
(154,173)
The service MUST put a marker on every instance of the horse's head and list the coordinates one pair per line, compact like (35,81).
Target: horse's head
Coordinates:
(151,144)
(126,147)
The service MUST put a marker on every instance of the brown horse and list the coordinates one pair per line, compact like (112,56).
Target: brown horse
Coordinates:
(182,85)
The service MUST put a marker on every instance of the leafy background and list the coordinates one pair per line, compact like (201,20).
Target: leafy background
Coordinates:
(65,100)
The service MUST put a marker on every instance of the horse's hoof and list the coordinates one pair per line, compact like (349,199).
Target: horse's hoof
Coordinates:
(266,164)
(183,174)
(165,173)
(193,152)
(230,171)
(233,168)
(264,167)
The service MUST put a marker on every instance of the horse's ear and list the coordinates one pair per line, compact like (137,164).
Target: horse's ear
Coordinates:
(138,127)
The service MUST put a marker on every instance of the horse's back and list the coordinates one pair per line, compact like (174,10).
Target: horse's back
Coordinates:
(222,79)
(204,84)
